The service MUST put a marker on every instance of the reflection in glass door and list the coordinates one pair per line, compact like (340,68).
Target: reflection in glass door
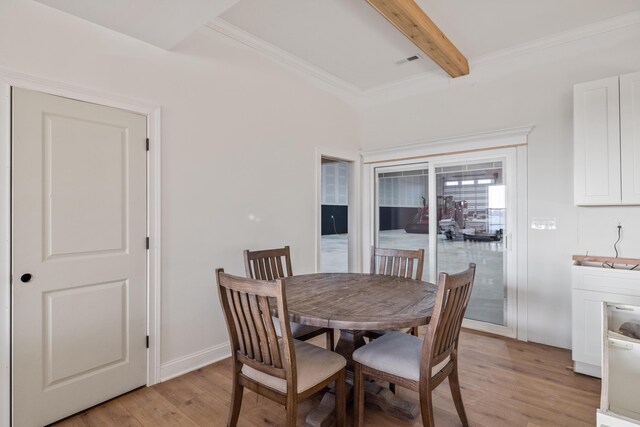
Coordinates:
(402,209)
(472,226)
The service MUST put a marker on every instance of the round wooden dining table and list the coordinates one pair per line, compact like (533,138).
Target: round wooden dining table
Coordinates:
(359,301)
(355,303)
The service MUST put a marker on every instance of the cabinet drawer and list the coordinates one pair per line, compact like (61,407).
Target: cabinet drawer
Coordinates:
(613,281)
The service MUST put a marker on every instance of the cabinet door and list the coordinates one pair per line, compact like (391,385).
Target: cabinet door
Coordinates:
(596,134)
(587,326)
(630,137)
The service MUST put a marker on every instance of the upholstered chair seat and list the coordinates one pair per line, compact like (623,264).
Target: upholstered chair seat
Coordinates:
(314,365)
(397,353)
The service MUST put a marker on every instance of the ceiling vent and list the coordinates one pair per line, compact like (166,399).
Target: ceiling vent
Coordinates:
(409,59)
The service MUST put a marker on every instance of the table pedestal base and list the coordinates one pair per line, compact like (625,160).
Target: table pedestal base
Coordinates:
(349,342)
(324,415)
(389,403)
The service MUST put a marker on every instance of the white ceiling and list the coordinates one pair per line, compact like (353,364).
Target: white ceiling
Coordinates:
(350,40)
(163,23)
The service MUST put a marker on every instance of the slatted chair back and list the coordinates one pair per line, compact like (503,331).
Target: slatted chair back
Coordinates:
(268,264)
(245,303)
(443,331)
(397,262)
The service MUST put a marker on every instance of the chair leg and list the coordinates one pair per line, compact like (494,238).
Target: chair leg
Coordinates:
(236,402)
(454,383)
(358,396)
(330,339)
(341,399)
(414,331)
(292,412)
(426,406)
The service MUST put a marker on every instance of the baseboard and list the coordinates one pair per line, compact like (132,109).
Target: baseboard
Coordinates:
(587,369)
(193,361)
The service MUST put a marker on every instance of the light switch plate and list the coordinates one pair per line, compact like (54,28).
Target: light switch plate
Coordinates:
(544,223)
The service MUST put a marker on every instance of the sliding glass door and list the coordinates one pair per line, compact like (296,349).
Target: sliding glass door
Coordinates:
(402,219)
(461,209)
(472,227)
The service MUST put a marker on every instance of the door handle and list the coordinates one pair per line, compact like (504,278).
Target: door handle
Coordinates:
(26,277)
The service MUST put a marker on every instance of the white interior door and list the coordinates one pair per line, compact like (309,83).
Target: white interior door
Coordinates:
(78,255)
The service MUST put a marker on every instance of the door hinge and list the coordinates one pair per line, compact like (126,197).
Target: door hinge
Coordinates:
(147,144)
(147,341)
(147,243)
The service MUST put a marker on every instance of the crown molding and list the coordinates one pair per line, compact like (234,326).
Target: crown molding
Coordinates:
(590,30)
(483,67)
(328,80)
(435,80)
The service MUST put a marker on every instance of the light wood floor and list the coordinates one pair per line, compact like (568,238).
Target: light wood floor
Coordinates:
(504,383)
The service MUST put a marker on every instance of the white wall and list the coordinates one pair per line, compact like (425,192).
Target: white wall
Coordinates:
(239,137)
(239,132)
(539,93)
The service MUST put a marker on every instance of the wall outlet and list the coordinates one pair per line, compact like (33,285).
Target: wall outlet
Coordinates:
(617,223)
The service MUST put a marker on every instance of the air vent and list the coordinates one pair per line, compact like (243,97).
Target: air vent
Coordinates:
(409,59)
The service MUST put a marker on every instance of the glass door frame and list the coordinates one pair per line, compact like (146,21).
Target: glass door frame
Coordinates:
(510,237)
(515,208)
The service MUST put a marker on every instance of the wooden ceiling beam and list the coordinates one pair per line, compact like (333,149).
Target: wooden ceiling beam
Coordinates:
(411,20)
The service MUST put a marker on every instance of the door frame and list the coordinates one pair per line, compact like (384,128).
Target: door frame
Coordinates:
(353,220)
(9,79)
(498,143)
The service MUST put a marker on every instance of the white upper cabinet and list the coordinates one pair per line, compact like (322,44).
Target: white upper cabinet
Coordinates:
(606,132)
(596,120)
(630,137)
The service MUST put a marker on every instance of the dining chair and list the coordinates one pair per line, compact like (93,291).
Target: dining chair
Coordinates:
(282,369)
(421,364)
(399,263)
(271,264)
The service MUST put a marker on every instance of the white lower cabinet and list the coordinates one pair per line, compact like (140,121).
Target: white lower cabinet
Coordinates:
(620,401)
(591,287)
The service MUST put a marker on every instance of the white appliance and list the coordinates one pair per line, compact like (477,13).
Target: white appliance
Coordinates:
(620,398)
